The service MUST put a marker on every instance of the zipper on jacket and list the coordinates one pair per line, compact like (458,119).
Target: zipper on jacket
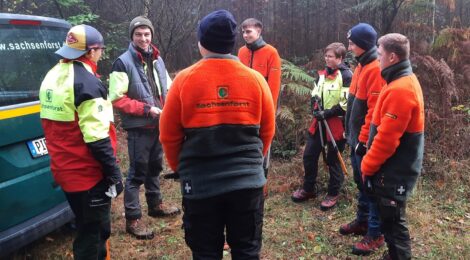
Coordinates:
(251,60)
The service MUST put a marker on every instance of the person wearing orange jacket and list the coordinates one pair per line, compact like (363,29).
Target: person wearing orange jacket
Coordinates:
(394,158)
(364,90)
(77,118)
(217,125)
(264,58)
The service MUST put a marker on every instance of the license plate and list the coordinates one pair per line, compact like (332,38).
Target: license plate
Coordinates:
(37,147)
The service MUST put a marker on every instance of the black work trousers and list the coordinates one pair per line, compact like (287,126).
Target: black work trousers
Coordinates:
(145,165)
(239,212)
(393,224)
(312,153)
(92,215)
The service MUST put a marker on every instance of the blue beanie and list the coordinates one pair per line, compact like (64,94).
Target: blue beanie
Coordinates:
(217,32)
(363,35)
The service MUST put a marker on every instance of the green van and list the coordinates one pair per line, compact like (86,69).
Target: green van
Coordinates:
(31,204)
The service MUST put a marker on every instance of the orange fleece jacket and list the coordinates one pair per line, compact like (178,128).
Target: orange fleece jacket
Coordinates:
(266,61)
(214,92)
(366,85)
(399,110)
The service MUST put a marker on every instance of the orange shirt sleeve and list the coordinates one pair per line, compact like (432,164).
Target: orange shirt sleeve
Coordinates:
(267,124)
(374,84)
(274,76)
(171,128)
(392,119)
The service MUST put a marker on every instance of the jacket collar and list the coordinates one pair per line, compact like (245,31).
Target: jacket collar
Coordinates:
(258,44)
(140,54)
(396,71)
(368,56)
(332,73)
(221,56)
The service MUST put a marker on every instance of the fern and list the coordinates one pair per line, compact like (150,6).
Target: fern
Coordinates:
(292,72)
(286,114)
(298,89)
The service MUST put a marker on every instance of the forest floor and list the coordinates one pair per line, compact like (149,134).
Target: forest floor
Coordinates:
(438,216)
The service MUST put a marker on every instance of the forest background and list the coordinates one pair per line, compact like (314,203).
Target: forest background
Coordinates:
(440,43)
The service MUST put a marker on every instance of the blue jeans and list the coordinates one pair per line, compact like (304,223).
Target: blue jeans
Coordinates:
(367,210)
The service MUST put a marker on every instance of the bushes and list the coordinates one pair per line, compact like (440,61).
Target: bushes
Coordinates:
(293,115)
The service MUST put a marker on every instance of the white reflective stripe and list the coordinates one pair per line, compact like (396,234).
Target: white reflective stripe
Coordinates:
(118,85)
(168,81)
(157,80)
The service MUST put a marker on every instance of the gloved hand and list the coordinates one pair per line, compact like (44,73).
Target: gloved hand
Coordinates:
(360,149)
(319,115)
(313,102)
(114,190)
(367,181)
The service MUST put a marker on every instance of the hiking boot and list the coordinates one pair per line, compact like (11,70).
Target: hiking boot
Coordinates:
(163,211)
(301,195)
(355,227)
(368,245)
(138,230)
(328,202)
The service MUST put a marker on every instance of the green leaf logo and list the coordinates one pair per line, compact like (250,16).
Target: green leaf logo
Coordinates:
(49,95)
(222,91)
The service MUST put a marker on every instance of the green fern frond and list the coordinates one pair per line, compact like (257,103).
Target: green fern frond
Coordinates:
(286,114)
(298,89)
(294,73)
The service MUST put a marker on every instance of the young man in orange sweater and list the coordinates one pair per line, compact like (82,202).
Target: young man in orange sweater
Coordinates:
(217,125)
(394,158)
(262,57)
(364,90)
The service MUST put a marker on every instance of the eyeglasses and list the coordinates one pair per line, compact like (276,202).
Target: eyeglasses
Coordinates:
(98,48)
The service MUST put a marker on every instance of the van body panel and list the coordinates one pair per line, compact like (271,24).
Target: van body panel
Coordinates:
(31,203)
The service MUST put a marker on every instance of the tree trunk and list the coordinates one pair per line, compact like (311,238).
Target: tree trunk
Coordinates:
(57,5)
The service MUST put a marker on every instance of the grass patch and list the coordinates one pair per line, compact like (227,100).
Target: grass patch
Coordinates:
(439,220)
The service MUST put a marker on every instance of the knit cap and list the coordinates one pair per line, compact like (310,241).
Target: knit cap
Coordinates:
(217,32)
(363,35)
(140,21)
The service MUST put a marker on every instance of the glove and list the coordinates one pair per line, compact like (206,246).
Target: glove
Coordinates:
(368,188)
(313,102)
(319,115)
(360,149)
(114,190)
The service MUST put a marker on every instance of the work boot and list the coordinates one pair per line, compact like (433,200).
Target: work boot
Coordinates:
(354,227)
(137,229)
(328,202)
(368,245)
(301,195)
(163,211)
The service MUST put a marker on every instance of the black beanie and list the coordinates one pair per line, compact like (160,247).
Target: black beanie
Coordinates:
(363,35)
(140,21)
(217,32)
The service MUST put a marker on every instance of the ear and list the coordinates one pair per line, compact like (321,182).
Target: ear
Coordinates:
(393,58)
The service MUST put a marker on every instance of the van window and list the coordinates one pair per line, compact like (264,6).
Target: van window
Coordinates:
(26,54)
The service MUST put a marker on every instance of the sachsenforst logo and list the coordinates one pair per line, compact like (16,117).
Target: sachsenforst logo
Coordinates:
(49,95)
(222,91)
